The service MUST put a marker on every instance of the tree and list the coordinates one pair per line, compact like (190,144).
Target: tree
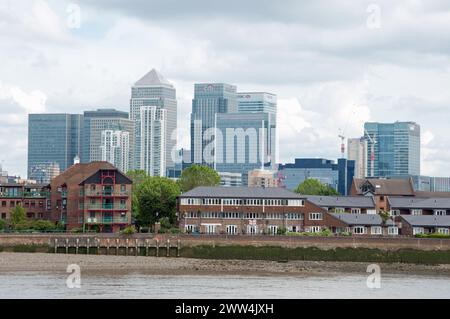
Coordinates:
(198,175)
(18,215)
(156,198)
(138,177)
(313,186)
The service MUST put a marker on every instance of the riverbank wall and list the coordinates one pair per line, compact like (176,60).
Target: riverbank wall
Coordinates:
(278,248)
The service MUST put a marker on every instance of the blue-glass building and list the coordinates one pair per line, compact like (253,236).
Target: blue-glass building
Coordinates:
(336,175)
(53,138)
(396,149)
(209,100)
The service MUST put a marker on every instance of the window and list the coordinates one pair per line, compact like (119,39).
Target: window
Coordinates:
(376,230)
(315,216)
(392,230)
(123,188)
(416,212)
(394,212)
(273,229)
(356,210)
(314,229)
(231,229)
(339,210)
(418,230)
(210,229)
(3,215)
(359,230)
(440,212)
(191,228)
(443,231)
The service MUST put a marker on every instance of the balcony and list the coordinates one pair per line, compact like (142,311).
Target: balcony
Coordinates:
(107,220)
(106,206)
(114,193)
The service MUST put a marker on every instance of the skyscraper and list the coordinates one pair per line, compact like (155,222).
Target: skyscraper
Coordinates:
(396,148)
(53,139)
(155,91)
(357,151)
(209,100)
(242,144)
(262,102)
(115,148)
(101,124)
(153,144)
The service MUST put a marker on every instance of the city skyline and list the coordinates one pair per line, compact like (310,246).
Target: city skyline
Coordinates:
(334,68)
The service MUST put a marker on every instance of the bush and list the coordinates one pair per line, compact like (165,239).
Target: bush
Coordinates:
(174,230)
(76,230)
(433,235)
(2,224)
(37,225)
(130,230)
(281,231)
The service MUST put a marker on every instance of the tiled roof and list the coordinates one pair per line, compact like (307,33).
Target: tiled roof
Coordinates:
(419,203)
(241,192)
(427,220)
(342,201)
(361,219)
(393,187)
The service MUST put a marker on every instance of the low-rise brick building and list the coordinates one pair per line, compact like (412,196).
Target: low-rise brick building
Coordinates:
(92,195)
(425,224)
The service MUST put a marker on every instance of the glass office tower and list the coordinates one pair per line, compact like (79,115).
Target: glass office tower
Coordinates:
(53,139)
(396,148)
(209,100)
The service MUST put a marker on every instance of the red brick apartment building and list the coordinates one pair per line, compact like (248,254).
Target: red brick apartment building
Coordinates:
(94,194)
(85,195)
(239,210)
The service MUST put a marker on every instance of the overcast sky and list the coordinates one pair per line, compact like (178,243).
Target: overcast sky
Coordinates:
(333,64)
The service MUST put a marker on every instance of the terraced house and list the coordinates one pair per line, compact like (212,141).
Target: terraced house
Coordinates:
(240,210)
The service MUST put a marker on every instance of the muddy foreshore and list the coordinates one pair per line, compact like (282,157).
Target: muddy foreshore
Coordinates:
(123,265)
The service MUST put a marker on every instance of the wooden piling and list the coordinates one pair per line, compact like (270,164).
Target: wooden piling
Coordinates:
(168,248)
(67,245)
(56,245)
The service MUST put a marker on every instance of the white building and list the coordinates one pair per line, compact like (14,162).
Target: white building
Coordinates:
(154,91)
(153,144)
(115,148)
(357,151)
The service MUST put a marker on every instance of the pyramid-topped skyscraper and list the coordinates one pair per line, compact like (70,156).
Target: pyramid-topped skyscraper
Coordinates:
(153,108)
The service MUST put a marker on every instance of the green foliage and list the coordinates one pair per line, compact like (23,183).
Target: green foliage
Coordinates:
(129,230)
(138,177)
(433,235)
(156,198)
(2,224)
(313,186)
(37,225)
(18,215)
(281,231)
(385,216)
(323,233)
(76,230)
(198,175)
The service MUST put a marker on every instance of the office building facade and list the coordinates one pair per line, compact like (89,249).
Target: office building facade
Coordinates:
(153,90)
(209,99)
(53,139)
(338,175)
(396,148)
(357,151)
(98,127)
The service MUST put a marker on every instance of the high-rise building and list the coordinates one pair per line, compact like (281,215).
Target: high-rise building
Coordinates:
(209,99)
(153,90)
(97,127)
(262,178)
(152,143)
(242,142)
(53,138)
(357,151)
(262,102)
(115,148)
(396,148)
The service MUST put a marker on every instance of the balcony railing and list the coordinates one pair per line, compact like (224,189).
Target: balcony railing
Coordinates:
(107,220)
(106,206)
(107,193)
(25,195)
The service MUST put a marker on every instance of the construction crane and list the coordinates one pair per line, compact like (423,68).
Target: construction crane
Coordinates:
(373,141)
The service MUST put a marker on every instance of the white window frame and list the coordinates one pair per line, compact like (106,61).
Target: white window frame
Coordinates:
(364,230)
(394,212)
(393,230)
(416,212)
(314,229)
(315,216)
(273,229)
(376,230)
(418,230)
(443,231)
(440,212)
(231,229)
(355,210)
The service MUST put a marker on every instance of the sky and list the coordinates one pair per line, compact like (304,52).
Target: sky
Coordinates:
(333,64)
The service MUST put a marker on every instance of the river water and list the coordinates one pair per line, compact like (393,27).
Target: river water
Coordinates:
(135,285)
